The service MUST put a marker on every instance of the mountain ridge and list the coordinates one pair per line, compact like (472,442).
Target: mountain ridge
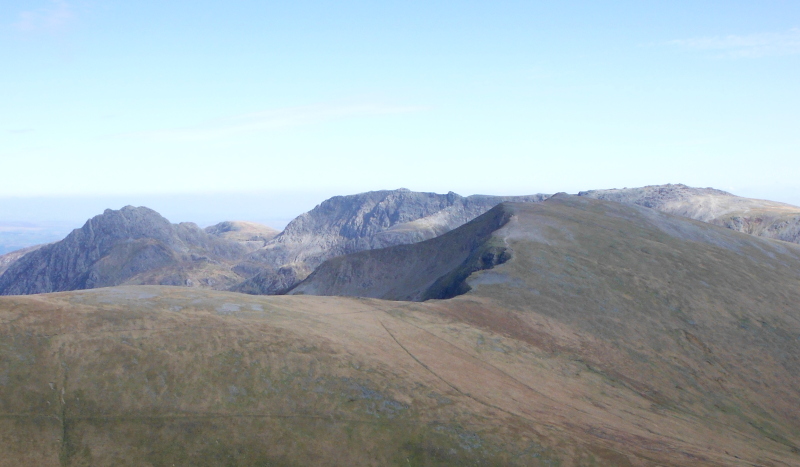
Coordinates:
(610,334)
(251,258)
(476,246)
(365,221)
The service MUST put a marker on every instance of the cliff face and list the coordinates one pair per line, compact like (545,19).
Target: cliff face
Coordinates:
(366,221)
(752,216)
(135,245)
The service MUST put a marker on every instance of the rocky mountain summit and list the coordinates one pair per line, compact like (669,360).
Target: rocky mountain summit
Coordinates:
(753,216)
(133,245)
(365,221)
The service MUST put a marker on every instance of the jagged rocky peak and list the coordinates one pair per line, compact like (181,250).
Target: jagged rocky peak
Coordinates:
(363,214)
(127,223)
(129,245)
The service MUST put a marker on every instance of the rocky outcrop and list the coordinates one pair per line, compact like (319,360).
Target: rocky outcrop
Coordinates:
(752,216)
(436,268)
(366,221)
(131,245)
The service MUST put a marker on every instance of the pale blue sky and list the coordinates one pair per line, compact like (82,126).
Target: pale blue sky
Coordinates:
(105,98)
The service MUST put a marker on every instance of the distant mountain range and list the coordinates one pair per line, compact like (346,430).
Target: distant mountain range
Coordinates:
(138,246)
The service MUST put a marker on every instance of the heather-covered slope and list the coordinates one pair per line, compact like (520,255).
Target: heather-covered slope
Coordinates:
(610,335)
(753,216)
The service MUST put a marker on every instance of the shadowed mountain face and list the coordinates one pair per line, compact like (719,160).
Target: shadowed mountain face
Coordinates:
(593,333)
(753,216)
(366,221)
(132,245)
(434,268)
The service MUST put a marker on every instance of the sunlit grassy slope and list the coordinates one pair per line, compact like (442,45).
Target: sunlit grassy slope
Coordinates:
(614,335)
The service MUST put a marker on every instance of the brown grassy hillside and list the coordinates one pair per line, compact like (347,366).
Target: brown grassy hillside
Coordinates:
(614,335)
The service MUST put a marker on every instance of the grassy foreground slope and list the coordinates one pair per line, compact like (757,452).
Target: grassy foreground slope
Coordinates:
(614,335)
(159,376)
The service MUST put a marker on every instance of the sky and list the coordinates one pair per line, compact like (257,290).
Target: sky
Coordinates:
(282,104)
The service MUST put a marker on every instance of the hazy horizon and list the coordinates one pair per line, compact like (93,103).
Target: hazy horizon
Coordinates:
(28,221)
(108,103)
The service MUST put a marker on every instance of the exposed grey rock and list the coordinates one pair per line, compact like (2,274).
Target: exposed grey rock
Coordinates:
(435,268)
(508,248)
(117,247)
(366,221)
(8,259)
(752,216)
